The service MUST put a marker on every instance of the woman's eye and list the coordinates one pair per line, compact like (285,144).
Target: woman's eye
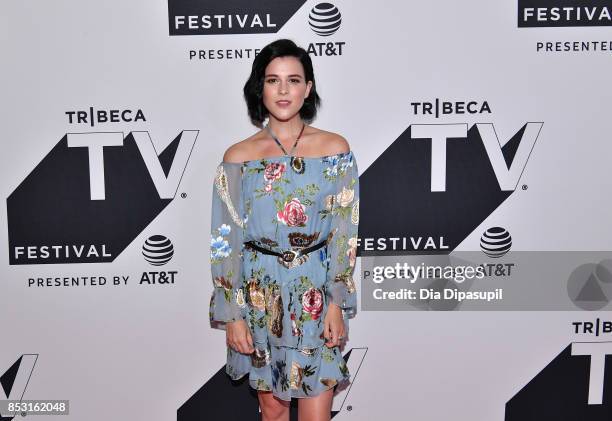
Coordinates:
(274,80)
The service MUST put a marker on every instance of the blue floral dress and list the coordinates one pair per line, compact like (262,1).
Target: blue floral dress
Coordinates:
(281,203)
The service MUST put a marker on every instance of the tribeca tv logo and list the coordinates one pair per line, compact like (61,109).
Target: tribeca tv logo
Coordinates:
(218,17)
(575,385)
(436,183)
(551,13)
(92,195)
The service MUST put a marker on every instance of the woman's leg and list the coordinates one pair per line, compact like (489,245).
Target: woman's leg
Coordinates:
(272,408)
(317,408)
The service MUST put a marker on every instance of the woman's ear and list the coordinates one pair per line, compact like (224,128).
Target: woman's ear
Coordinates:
(308,88)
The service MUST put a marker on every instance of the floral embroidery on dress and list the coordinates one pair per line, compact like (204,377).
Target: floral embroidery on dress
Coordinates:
(274,306)
(296,375)
(256,295)
(346,279)
(260,357)
(268,242)
(286,203)
(219,246)
(221,282)
(355,213)
(292,209)
(328,382)
(262,385)
(339,165)
(279,375)
(345,197)
(223,191)
(300,239)
(240,298)
(273,171)
(312,303)
(293,213)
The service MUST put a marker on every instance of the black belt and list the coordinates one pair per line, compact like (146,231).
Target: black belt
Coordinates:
(286,255)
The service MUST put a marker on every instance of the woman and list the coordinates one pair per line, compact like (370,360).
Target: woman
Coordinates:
(284,240)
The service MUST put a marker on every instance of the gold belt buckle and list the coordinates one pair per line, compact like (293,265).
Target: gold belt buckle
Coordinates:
(291,258)
(289,255)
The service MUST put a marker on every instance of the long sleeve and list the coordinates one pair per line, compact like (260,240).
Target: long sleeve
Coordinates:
(342,249)
(227,233)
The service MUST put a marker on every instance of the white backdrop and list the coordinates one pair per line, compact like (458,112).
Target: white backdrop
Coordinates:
(140,351)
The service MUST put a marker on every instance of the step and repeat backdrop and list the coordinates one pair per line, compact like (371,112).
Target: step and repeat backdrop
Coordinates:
(482,133)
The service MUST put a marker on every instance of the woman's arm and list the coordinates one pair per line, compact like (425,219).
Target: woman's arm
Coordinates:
(226,246)
(342,250)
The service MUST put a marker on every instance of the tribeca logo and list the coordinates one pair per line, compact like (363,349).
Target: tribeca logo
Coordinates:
(441,108)
(92,195)
(575,385)
(93,116)
(443,180)
(547,13)
(218,17)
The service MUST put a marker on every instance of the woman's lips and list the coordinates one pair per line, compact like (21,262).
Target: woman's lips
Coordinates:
(283,103)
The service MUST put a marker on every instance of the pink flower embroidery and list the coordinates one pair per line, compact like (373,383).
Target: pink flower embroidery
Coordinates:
(293,214)
(312,302)
(273,171)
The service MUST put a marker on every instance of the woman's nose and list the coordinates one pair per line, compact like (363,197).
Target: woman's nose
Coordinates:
(282,87)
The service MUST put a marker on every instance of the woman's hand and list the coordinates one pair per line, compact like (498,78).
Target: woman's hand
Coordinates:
(333,326)
(238,337)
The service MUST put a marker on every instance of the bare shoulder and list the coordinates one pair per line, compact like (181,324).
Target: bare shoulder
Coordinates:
(239,151)
(337,143)
(331,143)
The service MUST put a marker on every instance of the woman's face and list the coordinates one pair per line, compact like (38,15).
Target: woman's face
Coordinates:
(285,87)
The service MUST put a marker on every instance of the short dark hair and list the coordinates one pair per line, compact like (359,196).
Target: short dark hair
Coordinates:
(253,88)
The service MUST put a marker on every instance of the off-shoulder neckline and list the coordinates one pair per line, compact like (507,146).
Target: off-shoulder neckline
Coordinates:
(268,158)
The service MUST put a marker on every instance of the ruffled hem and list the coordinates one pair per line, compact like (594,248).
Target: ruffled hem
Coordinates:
(289,373)
(313,395)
